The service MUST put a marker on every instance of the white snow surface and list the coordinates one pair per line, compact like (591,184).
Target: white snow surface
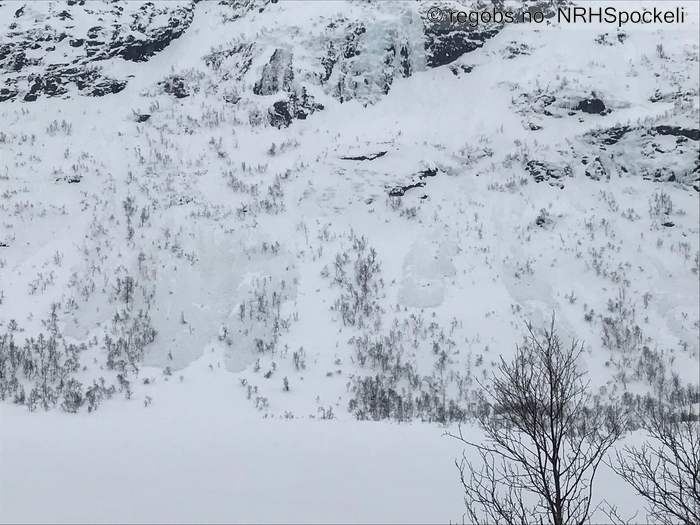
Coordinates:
(220,441)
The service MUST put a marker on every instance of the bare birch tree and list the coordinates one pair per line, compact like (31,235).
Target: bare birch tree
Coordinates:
(545,438)
(665,470)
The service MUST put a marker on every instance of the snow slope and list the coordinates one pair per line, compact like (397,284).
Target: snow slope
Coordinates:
(200,228)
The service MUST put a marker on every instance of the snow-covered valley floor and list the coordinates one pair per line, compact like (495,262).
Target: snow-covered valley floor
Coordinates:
(190,459)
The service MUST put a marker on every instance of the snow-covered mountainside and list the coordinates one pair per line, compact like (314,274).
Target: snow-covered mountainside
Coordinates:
(246,216)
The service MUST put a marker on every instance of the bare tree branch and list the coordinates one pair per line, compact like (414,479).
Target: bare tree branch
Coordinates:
(545,439)
(665,470)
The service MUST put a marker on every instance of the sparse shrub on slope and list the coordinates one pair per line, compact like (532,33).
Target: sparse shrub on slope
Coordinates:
(358,274)
(621,333)
(43,372)
(39,373)
(396,388)
(260,322)
(131,328)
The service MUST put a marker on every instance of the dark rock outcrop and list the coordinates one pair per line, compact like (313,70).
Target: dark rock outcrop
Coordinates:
(677,131)
(370,156)
(611,135)
(447,40)
(283,112)
(175,85)
(130,31)
(637,151)
(400,190)
(542,171)
(277,74)
(591,105)
(444,44)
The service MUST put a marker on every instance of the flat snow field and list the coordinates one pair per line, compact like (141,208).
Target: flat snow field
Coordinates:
(186,460)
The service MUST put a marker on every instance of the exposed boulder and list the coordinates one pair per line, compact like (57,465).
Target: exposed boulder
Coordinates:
(591,105)
(283,112)
(277,75)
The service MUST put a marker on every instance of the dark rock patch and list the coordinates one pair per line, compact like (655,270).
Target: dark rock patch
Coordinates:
(142,117)
(7,94)
(542,171)
(677,131)
(370,156)
(458,70)
(642,154)
(427,173)
(405,67)
(109,86)
(140,50)
(591,105)
(446,41)
(283,112)
(400,190)
(175,85)
(58,77)
(445,45)
(133,33)
(595,169)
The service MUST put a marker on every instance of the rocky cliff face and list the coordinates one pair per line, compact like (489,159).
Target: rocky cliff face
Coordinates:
(47,47)
(286,61)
